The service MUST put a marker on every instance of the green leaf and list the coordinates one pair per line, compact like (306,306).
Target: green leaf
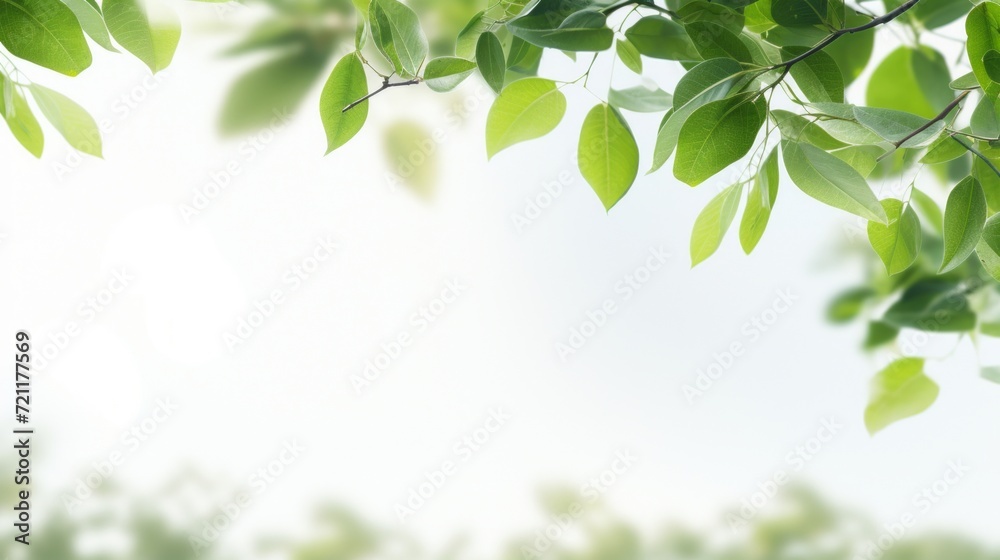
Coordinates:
(914,80)
(489,57)
(640,99)
(658,37)
(818,76)
(759,203)
(709,81)
(831,181)
(269,91)
(897,243)
(713,223)
(715,136)
(964,217)
(966,82)
(346,84)
(397,33)
(895,126)
(465,46)
(879,333)
(148,30)
(899,391)
(715,76)
(22,123)
(981,27)
(92,21)
(582,31)
(929,209)
(944,149)
(988,249)
(932,306)
(526,109)
(629,55)
(848,305)
(445,73)
(608,155)
(72,121)
(798,13)
(715,41)
(45,32)
(991,373)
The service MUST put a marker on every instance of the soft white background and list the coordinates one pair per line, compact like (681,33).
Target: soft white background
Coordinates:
(495,346)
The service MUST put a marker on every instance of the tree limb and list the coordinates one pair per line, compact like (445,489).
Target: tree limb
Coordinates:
(385,85)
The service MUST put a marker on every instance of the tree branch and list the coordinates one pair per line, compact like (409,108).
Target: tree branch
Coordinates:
(941,116)
(385,85)
(881,20)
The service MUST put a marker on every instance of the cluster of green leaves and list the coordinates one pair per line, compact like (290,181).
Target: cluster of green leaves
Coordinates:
(54,34)
(764,87)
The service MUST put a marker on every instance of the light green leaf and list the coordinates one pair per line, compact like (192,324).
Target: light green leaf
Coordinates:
(629,55)
(72,121)
(715,136)
(964,217)
(713,223)
(640,99)
(526,109)
(658,37)
(965,82)
(149,30)
(899,391)
(818,76)
(895,126)
(346,84)
(45,32)
(465,46)
(397,33)
(489,57)
(988,249)
(929,209)
(897,243)
(445,73)
(608,155)
(21,121)
(92,22)
(831,181)
(759,203)
(914,80)
(981,27)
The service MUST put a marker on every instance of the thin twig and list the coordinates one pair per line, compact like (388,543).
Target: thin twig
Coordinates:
(943,115)
(385,85)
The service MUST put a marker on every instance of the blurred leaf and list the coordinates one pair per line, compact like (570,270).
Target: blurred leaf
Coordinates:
(272,90)
(71,120)
(22,123)
(899,391)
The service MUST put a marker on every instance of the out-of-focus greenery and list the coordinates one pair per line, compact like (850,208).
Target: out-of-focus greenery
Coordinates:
(797,525)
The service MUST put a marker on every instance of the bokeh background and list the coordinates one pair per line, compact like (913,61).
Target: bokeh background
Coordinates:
(194,218)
